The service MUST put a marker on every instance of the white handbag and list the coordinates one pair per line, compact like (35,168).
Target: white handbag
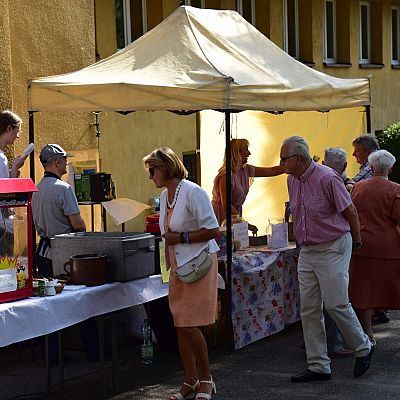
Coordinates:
(196,268)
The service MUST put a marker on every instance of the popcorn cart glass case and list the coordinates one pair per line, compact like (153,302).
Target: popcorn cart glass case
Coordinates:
(16,250)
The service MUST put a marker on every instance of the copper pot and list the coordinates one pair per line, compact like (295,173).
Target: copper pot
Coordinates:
(88,269)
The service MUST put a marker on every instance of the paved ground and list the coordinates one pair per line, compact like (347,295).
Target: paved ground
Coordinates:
(259,371)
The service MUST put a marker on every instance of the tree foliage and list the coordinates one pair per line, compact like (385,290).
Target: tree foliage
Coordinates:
(389,139)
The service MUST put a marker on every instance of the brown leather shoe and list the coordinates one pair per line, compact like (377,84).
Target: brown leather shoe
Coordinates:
(343,353)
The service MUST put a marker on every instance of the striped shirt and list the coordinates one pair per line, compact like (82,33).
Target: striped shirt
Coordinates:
(317,200)
(364,173)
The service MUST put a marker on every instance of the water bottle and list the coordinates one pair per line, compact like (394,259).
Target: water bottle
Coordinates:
(147,346)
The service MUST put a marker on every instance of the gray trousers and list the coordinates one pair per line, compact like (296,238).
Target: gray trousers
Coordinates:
(323,280)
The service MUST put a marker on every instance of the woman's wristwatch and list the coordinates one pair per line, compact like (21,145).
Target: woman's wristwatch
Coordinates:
(357,245)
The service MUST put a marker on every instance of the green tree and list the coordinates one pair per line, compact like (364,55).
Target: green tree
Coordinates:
(389,139)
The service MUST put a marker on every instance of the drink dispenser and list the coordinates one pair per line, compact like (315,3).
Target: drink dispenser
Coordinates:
(16,234)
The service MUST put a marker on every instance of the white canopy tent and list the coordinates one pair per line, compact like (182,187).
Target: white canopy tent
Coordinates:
(198,59)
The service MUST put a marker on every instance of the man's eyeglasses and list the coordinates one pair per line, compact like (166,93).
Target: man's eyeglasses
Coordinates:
(151,172)
(285,158)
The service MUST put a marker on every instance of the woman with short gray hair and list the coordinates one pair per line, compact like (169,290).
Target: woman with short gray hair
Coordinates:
(382,162)
(375,267)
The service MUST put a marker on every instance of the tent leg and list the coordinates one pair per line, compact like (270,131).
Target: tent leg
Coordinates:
(368,112)
(31,127)
(228,229)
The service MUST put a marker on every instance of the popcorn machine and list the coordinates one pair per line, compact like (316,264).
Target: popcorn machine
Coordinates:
(16,235)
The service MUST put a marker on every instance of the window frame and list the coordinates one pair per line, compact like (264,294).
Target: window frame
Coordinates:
(239,9)
(126,6)
(395,61)
(327,59)
(360,45)
(189,3)
(286,29)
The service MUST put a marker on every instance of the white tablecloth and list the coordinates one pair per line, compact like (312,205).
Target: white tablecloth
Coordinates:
(37,316)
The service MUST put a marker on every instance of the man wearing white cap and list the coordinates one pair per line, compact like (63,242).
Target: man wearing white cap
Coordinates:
(55,207)
(55,211)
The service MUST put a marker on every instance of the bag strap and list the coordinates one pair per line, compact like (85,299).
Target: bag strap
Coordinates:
(166,216)
(166,228)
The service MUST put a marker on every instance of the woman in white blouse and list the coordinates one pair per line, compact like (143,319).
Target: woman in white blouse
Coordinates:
(188,225)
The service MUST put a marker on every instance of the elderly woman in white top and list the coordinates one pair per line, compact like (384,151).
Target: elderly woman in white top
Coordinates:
(188,225)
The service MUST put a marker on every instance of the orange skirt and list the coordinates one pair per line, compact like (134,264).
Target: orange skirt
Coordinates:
(374,283)
(193,304)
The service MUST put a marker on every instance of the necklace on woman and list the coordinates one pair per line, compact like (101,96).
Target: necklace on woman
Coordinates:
(172,205)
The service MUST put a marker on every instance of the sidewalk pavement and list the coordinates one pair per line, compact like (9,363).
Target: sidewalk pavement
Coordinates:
(261,371)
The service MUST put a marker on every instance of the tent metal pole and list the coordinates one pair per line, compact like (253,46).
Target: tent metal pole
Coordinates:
(31,134)
(368,111)
(31,128)
(228,228)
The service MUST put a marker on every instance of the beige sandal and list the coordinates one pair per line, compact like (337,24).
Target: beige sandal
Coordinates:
(190,395)
(202,395)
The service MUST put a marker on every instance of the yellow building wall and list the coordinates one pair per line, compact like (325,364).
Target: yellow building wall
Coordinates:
(126,139)
(41,38)
(106,37)
(46,38)
(385,82)
(5,57)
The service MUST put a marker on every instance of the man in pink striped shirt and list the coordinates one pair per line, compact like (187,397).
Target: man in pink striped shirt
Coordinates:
(326,226)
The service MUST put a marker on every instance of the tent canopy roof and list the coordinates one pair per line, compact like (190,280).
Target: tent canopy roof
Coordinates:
(198,59)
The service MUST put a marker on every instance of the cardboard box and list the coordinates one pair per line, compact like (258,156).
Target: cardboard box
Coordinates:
(82,187)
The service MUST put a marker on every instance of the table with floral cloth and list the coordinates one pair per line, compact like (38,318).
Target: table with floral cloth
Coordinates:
(265,292)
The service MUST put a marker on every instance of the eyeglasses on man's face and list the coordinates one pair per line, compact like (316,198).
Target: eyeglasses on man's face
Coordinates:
(283,159)
(151,172)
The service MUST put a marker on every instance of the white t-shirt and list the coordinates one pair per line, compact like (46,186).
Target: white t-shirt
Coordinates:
(4,173)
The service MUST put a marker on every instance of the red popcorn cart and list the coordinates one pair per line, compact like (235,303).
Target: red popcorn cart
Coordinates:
(16,247)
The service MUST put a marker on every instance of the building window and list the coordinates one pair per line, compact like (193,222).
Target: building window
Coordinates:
(191,161)
(395,35)
(365,34)
(195,3)
(330,31)
(291,24)
(131,21)
(246,8)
